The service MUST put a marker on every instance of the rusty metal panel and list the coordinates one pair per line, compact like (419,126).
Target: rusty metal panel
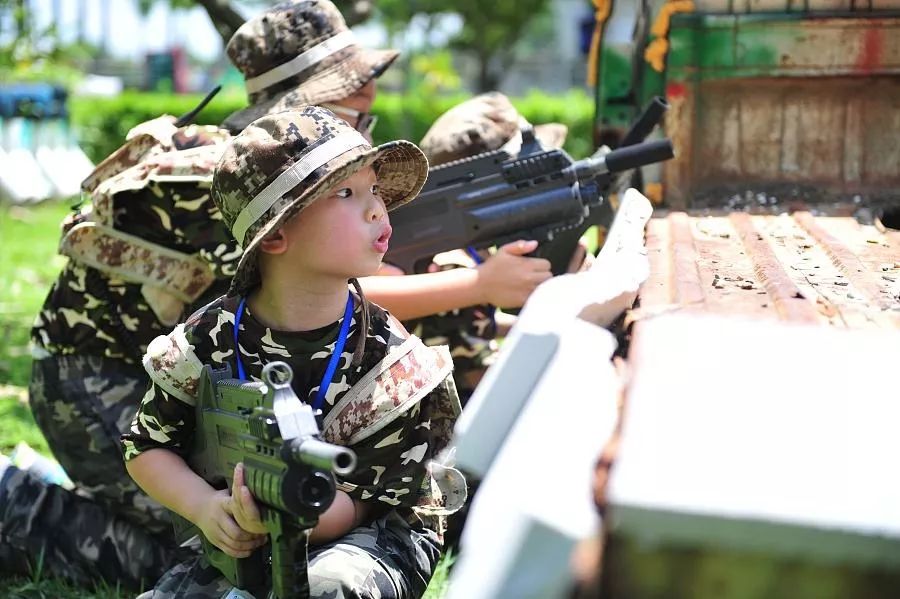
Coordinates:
(771,103)
(796,268)
(705,47)
(835,134)
(792,6)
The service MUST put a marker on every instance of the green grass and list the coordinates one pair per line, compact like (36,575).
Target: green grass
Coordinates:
(39,587)
(28,266)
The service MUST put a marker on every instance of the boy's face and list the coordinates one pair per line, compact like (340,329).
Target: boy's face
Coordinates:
(345,233)
(361,100)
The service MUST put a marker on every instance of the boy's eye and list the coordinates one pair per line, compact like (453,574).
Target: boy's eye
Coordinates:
(344,192)
(376,190)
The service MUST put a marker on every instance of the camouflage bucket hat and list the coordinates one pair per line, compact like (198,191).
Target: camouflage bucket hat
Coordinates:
(484,123)
(283,162)
(297,53)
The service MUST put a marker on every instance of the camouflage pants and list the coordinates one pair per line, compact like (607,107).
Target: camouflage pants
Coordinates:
(73,537)
(384,560)
(83,405)
(108,528)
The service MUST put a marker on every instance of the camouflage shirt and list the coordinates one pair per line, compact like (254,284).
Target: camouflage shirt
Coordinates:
(393,463)
(93,313)
(470,332)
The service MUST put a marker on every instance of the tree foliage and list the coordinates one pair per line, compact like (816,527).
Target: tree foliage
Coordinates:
(226,18)
(491,31)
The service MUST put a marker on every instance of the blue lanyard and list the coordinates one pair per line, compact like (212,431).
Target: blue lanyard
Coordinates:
(332,363)
(473,253)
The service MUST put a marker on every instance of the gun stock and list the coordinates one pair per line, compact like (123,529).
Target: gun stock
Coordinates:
(287,467)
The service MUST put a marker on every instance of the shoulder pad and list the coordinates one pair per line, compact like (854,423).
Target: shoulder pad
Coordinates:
(192,136)
(143,140)
(162,128)
(172,364)
(197,163)
(408,372)
(194,165)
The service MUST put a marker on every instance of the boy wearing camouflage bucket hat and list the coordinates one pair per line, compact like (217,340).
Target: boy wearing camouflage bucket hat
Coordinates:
(307,197)
(484,123)
(151,195)
(301,52)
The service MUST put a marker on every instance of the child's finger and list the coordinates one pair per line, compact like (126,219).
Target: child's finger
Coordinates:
(248,507)
(231,550)
(221,540)
(238,480)
(232,530)
(519,248)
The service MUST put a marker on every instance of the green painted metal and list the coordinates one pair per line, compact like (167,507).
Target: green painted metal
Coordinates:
(726,46)
(766,99)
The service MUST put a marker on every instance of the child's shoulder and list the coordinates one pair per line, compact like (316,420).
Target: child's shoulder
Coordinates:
(175,361)
(387,331)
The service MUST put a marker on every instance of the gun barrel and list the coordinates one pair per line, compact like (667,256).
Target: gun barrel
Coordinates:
(324,456)
(623,159)
(642,127)
(640,154)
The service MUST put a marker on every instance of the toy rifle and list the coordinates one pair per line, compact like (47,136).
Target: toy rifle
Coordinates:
(287,467)
(494,198)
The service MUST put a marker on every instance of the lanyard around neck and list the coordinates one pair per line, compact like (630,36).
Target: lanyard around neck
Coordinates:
(332,363)
(491,310)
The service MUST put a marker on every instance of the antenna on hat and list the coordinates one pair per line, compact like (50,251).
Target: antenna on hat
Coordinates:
(188,117)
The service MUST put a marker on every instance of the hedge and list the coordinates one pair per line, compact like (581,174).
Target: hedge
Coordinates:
(102,123)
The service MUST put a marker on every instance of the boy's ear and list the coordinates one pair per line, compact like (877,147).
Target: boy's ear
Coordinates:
(274,243)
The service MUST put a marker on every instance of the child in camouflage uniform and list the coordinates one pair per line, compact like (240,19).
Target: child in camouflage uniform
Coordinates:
(308,197)
(87,379)
(484,123)
(101,313)
(300,52)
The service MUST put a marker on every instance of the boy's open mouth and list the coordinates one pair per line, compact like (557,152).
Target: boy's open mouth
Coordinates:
(381,244)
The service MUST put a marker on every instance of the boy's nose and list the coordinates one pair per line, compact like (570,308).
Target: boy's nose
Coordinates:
(378,210)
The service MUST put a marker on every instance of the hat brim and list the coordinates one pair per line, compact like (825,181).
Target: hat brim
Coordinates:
(551,135)
(342,79)
(400,166)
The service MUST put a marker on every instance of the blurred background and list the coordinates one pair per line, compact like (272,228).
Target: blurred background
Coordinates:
(81,73)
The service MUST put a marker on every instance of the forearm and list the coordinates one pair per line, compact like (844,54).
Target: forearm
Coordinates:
(167,478)
(343,515)
(415,296)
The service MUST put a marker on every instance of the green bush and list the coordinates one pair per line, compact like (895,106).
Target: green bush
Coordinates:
(103,122)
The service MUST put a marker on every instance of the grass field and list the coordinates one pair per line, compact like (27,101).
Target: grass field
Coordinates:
(28,265)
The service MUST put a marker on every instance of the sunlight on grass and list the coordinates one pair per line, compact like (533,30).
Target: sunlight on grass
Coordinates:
(29,236)
(440,582)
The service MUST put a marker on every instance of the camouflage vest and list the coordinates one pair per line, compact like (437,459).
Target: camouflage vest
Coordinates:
(407,374)
(155,151)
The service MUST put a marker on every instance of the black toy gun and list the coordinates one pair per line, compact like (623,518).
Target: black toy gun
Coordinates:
(492,198)
(287,467)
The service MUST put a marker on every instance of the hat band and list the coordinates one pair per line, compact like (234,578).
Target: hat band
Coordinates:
(291,178)
(300,63)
